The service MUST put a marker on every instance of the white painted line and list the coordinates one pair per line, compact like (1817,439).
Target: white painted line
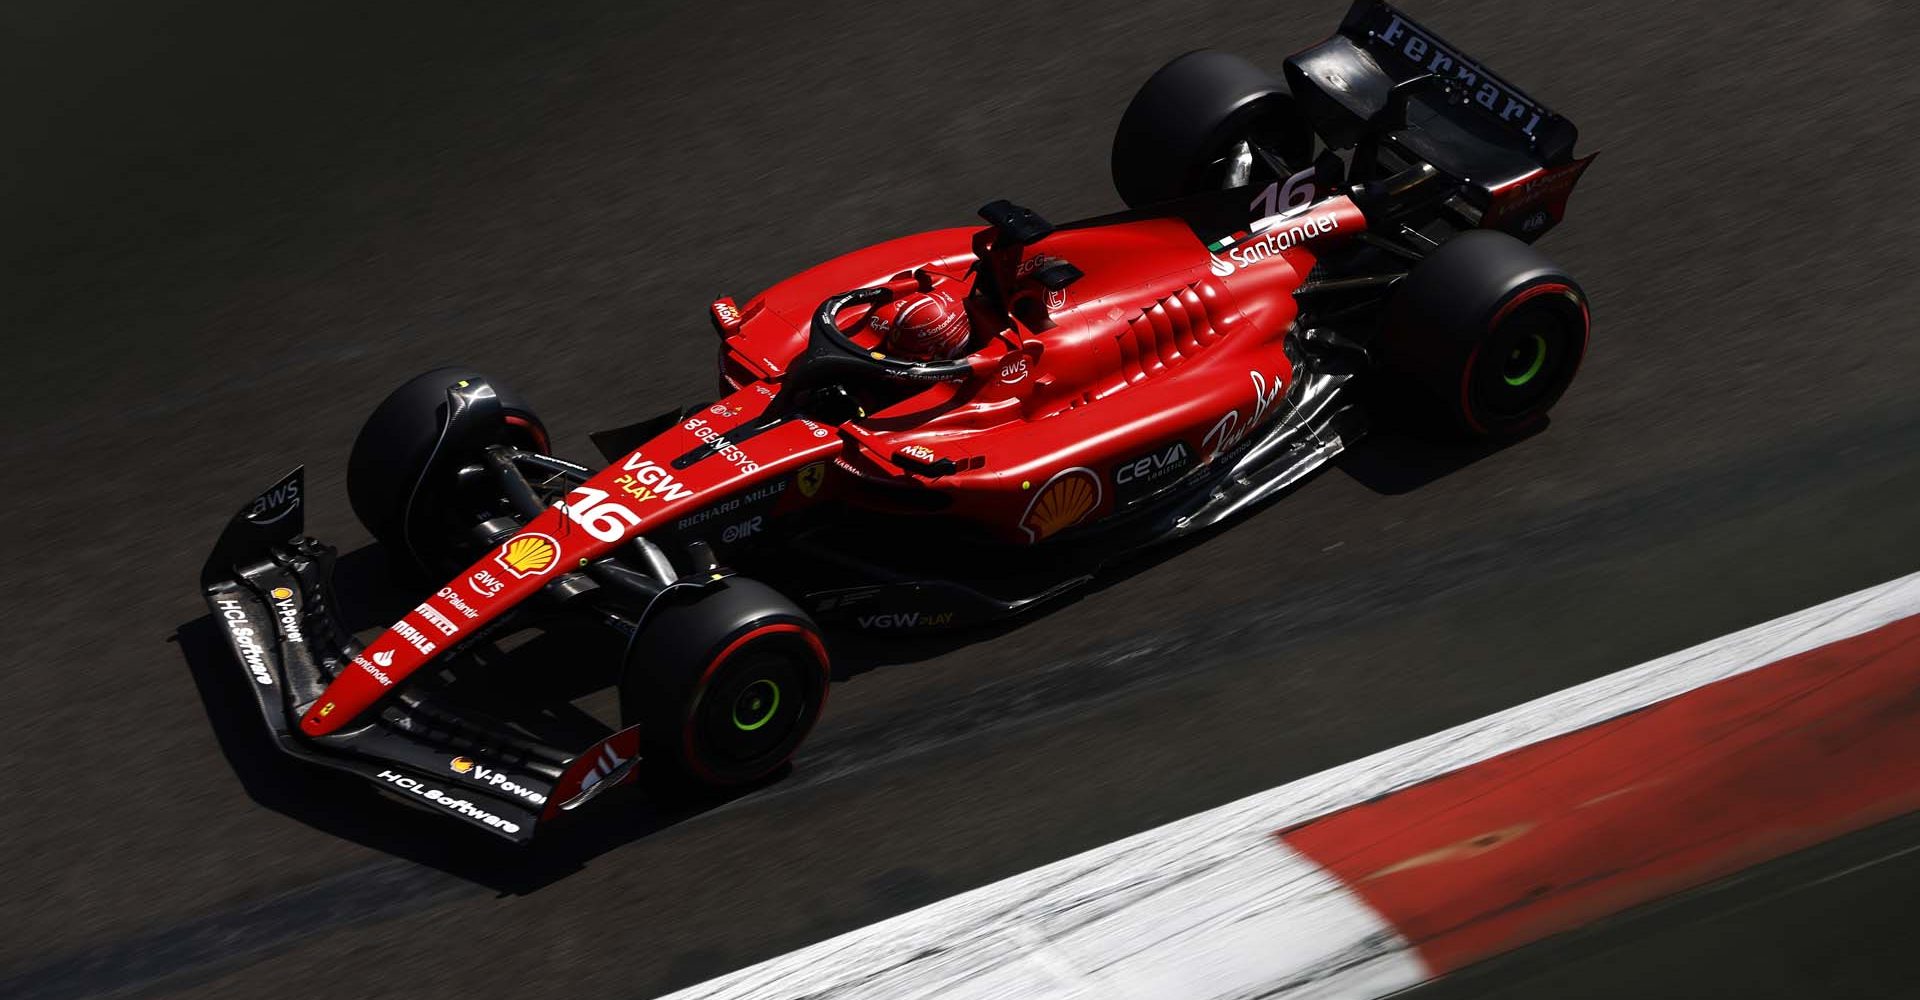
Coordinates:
(1215,905)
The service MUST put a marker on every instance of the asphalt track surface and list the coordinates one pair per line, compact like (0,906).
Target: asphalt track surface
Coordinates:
(230,229)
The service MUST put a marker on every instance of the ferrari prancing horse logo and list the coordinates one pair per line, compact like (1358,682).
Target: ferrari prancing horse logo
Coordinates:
(811,478)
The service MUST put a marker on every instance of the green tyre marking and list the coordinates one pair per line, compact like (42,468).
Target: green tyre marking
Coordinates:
(751,699)
(1539,361)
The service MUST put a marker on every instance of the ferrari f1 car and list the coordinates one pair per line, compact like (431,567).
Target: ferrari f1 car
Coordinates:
(1363,219)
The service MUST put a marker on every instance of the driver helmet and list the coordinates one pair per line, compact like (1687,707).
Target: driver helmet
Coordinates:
(926,326)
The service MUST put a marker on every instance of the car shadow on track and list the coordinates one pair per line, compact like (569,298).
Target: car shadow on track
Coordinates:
(369,597)
(1390,462)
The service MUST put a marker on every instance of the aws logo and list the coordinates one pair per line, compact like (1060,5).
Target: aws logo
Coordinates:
(281,499)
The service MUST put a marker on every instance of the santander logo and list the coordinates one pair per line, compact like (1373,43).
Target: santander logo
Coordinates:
(1269,238)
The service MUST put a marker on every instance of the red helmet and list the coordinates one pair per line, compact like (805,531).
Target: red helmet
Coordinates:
(926,326)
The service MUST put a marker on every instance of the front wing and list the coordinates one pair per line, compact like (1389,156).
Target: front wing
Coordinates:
(269,590)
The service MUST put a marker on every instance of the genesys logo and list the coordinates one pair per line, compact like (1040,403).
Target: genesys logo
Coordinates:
(496,779)
(724,448)
(458,806)
(253,656)
(280,500)
(906,620)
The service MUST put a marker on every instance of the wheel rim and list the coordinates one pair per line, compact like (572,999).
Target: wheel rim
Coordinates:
(756,706)
(1525,361)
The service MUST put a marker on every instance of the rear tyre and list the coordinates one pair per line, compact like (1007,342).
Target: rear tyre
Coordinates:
(1182,131)
(387,470)
(727,685)
(1491,329)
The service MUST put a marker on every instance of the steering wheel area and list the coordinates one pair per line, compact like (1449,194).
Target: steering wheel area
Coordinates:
(831,355)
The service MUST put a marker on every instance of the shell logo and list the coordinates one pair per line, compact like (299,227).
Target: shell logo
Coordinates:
(1065,501)
(281,593)
(528,555)
(461,765)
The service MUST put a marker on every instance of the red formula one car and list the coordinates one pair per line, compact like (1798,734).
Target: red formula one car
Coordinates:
(1055,396)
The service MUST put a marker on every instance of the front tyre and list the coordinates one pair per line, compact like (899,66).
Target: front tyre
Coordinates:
(1492,329)
(725,686)
(389,472)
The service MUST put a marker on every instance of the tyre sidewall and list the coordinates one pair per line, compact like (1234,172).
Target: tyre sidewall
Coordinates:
(391,453)
(1448,325)
(1188,113)
(690,657)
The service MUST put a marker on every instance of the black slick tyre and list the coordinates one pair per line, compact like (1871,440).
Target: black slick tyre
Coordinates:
(726,685)
(1492,330)
(1173,139)
(388,465)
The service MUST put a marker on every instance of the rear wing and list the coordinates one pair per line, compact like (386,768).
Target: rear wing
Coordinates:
(1406,49)
(1385,81)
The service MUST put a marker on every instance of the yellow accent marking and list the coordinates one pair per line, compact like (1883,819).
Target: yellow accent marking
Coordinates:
(1026,484)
